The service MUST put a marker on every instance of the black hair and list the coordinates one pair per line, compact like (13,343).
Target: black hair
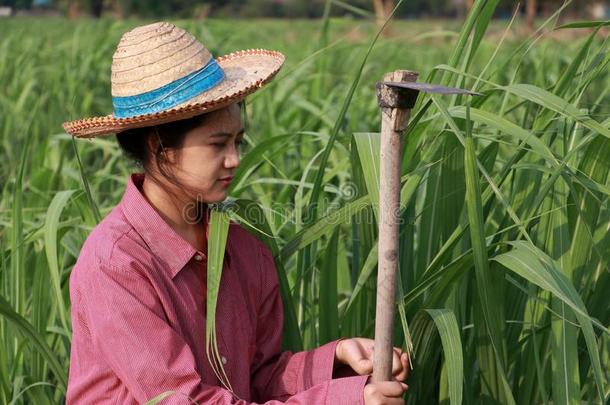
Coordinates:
(136,143)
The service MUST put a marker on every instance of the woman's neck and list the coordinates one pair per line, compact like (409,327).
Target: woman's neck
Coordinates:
(187,218)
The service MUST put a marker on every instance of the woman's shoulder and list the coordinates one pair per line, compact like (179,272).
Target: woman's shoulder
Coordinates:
(113,240)
(107,242)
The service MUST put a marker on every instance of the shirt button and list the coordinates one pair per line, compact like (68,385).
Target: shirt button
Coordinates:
(224,360)
(198,257)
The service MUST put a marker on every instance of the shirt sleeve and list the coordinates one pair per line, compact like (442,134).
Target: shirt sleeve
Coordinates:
(130,332)
(280,374)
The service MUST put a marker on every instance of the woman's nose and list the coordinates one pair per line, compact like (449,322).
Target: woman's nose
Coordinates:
(232,159)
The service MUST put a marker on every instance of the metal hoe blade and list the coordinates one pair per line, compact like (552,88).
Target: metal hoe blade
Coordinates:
(410,90)
(430,88)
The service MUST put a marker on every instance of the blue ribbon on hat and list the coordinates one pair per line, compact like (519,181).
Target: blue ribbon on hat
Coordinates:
(171,94)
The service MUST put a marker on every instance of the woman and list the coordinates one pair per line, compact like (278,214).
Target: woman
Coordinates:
(138,289)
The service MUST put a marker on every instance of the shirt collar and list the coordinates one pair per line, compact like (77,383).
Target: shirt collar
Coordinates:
(160,237)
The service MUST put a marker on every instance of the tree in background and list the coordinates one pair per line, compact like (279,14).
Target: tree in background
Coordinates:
(530,13)
(382,8)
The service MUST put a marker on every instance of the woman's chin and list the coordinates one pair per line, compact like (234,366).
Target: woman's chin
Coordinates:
(217,197)
(212,196)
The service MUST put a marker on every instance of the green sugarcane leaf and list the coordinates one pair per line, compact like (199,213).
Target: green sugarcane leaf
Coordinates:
(51,229)
(535,266)
(368,145)
(502,124)
(36,339)
(327,292)
(217,240)
(549,100)
(584,24)
(323,226)
(489,305)
(448,329)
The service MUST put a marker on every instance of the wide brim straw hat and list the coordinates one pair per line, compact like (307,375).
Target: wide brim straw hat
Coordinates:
(162,73)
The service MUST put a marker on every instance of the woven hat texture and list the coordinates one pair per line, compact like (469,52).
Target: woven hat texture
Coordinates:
(161,73)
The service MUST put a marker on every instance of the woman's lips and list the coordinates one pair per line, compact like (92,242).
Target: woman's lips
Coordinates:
(226,181)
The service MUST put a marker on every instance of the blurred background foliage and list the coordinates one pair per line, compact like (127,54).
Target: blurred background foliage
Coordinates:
(291,8)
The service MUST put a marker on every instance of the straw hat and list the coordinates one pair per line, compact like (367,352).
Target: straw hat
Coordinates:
(161,73)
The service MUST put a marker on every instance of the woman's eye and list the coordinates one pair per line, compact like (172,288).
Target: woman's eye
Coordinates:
(239,144)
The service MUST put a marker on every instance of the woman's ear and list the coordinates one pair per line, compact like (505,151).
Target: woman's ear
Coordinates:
(156,148)
(151,144)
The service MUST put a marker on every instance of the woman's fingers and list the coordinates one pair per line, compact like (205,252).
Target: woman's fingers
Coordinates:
(390,389)
(385,392)
(404,372)
(356,357)
(400,364)
(397,363)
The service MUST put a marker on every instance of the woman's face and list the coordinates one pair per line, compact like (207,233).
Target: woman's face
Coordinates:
(209,155)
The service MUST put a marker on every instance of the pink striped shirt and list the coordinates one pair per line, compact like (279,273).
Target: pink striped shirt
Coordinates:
(138,319)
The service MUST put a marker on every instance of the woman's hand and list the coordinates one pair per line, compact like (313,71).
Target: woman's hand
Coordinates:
(384,393)
(357,353)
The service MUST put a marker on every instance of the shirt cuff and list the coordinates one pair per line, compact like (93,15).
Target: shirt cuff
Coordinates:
(324,359)
(348,390)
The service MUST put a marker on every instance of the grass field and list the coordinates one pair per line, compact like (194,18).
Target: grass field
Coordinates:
(504,239)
